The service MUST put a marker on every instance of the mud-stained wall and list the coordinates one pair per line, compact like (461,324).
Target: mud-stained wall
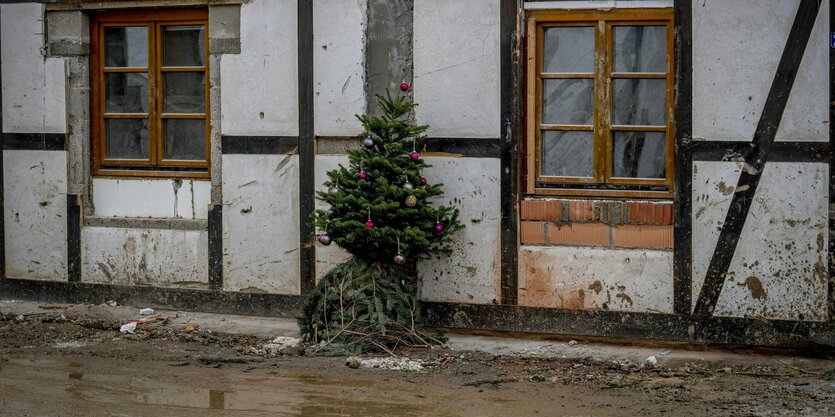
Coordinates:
(161,258)
(259,94)
(779,270)
(157,198)
(260,223)
(724,31)
(330,256)
(596,278)
(456,75)
(34,190)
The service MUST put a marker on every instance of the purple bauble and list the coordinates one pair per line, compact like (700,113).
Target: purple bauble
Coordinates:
(363,175)
(439,227)
(369,224)
(324,239)
(414,155)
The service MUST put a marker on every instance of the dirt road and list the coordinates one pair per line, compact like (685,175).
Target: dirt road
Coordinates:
(53,366)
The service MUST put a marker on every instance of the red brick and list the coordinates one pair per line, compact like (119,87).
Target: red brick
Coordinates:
(635,236)
(532,232)
(547,210)
(645,212)
(579,234)
(581,211)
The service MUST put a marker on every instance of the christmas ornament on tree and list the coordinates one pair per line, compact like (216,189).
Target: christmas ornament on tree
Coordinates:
(404,86)
(369,224)
(408,186)
(399,258)
(334,189)
(324,239)
(411,201)
(439,227)
(422,181)
(362,175)
(368,142)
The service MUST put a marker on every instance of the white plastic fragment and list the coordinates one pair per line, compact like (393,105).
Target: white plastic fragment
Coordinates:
(652,361)
(146,311)
(128,328)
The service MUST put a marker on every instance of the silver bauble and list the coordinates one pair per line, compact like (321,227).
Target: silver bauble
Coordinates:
(333,190)
(408,186)
(399,259)
(368,142)
(324,239)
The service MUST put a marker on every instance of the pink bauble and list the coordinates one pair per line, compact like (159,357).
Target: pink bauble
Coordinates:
(414,155)
(369,224)
(363,175)
(423,181)
(439,227)
(404,86)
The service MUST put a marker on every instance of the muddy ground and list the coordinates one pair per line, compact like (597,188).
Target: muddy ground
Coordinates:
(65,364)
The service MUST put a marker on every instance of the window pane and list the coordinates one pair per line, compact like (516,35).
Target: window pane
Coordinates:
(126,47)
(126,138)
(640,102)
(567,154)
(639,155)
(568,49)
(183,46)
(184,92)
(640,48)
(568,101)
(185,139)
(126,92)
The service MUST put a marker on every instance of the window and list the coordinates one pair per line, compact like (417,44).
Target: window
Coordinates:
(149,94)
(599,103)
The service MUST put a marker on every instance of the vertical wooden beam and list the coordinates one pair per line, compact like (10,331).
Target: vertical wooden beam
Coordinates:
(683,230)
(73,238)
(215,238)
(307,254)
(831,248)
(511,94)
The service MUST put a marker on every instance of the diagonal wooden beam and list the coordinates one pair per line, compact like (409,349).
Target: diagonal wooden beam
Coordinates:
(755,161)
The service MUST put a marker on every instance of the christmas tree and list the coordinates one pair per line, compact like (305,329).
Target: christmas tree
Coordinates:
(381,212)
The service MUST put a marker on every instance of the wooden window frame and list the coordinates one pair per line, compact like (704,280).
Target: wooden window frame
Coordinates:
(602,184)
(155,165)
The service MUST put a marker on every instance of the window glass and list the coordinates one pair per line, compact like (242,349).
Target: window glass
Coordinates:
(639,155)
(567,154)
(640,48)
(185,139)
(126,138)
(639,101)
(126,46)
(568,50)
(183,46)
(184,92)
(126,92)
(568,101)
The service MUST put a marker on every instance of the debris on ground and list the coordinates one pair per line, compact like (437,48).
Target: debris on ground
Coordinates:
(572,343)
(651,361)
(128,328)
(146,312)
(282,345)
(389,363)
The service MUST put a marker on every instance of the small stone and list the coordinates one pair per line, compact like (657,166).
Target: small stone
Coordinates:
(353,362)
(652,361)
(572,343)
(20,317)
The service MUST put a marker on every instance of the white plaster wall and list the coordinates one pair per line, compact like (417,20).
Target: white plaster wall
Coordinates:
(158,198)
(472,273)
(33,85)
(457,67)
(596,278)
(327,257)
(780,268)
(259,93)
(338,73)
(35,203)
(156,257)
(261,223)
(724,31)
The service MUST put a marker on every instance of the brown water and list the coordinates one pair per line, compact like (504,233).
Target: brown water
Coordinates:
(63,386)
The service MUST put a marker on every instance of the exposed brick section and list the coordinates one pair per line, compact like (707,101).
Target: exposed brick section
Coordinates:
(532,232)
(548,210)
(579,234)
(583,211)
(634,236)
(644,212)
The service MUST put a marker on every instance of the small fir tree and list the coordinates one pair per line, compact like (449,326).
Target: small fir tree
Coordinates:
(381,212)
